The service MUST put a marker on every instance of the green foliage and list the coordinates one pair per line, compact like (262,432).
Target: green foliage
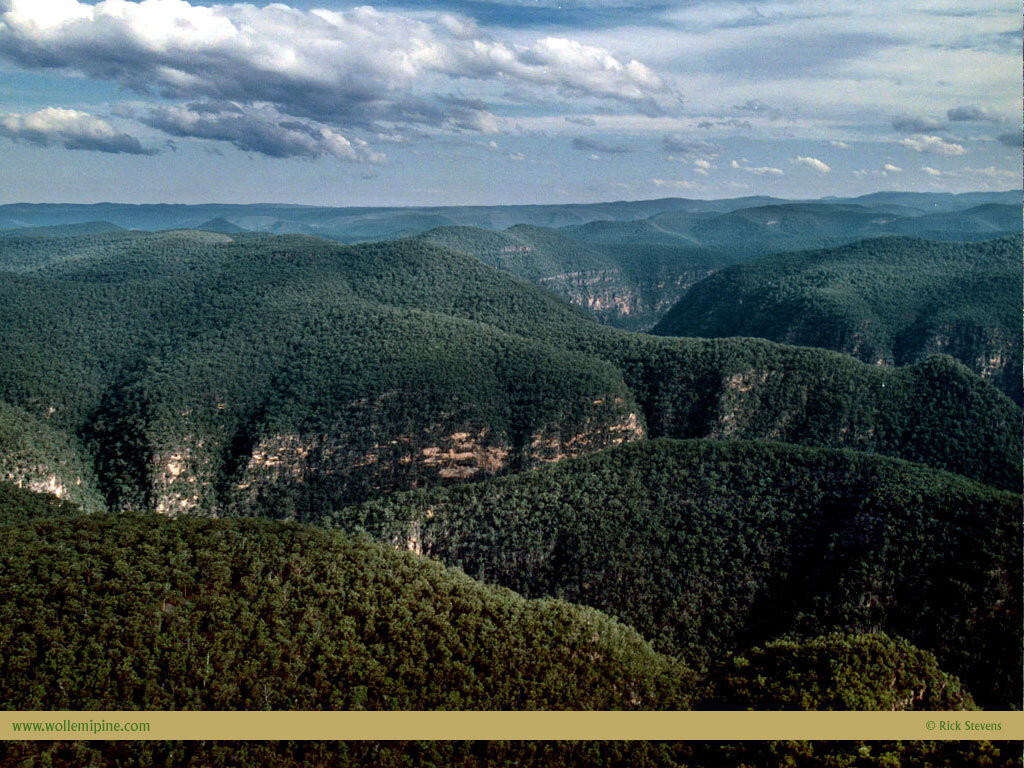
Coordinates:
(624,284)
(706,546)
(141,612)
(20,505)
(62,230)
(192,350)
(835,672)
(891,300)
(35,454)
(497,754)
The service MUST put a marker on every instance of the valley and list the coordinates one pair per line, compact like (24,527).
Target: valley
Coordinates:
(448,470)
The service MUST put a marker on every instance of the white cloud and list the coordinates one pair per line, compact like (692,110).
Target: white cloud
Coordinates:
(358,69)
(676,184)
(760,170)
(72,130)
(811,162)
(913,124)
(931,171)
(839,144)
(516,156)
(260,128)
(702,166)
(933,144)
(890,168)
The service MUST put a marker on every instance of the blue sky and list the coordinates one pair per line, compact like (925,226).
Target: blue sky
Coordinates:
(524,101)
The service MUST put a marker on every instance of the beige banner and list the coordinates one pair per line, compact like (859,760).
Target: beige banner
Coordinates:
(383,726)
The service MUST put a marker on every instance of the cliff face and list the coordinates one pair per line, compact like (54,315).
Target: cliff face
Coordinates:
(991,352)
(621,300)
(302,474)
(41,458)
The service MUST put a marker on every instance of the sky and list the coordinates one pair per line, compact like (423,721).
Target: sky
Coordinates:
(488,102)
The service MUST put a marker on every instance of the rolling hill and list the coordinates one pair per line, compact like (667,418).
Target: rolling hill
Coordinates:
(712,546)
(141,612)
(893,301)
(628,285)
(206,372)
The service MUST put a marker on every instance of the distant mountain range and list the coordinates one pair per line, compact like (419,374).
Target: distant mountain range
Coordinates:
(354,224)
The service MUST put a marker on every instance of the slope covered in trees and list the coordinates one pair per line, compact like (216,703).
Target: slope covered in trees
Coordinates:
(368,223)
(209,373)
(138,611)
(892,301)
(706,545)
(626,284)
(256,615)
(835,672)
(751,232)
(37,456)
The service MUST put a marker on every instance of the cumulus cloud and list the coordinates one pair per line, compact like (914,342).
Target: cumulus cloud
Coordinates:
(933,144)
(675,184)
(811,162)
(973,115)
(702,166)
(931,171)
(260,128)
(584,144)
(911,124)
(890,168)
(760,170)
(839,144)
(361,68)
(70,129)
(1010,139)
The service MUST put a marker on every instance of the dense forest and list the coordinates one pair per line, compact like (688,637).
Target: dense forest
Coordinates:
(209,373)
(141,611)
(487,754)
(626,284)
(892,301)
(711,545)
(411,474)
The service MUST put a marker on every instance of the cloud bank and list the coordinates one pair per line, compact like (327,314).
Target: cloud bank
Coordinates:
(70,129)
(334,72)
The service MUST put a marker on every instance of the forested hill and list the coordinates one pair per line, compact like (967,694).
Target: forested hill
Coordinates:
(142,612)
(326,619)
(624,284)
(707,546)
(890,300)
(208,372)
